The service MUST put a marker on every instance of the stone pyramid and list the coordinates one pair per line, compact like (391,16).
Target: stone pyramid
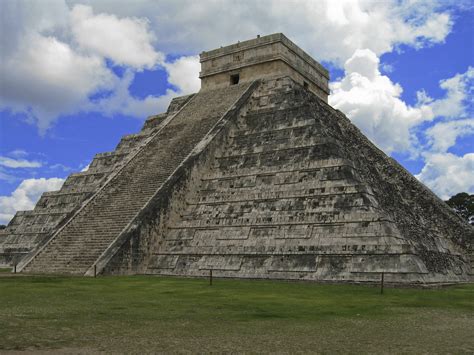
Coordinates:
(255,176)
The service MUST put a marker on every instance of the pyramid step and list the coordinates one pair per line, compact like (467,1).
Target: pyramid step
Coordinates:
(89,234)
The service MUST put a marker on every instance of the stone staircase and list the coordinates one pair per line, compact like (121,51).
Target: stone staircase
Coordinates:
(29,230)
(75,248)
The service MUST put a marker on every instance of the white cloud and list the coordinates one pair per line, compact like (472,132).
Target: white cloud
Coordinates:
(127,41)
(447,174)
(372,101)
(459,89)
(54,55)
(56,64)
(21,18)
(46,78)
(122,102)
(328,29)
(25,196)
(19,163)
(183,73)
(443,135)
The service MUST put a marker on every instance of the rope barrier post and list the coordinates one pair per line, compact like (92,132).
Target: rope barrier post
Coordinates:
(381,283)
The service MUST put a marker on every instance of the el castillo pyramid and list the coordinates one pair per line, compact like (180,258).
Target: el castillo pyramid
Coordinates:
(254,176)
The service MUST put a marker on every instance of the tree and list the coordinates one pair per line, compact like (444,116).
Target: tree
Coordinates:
(463,204)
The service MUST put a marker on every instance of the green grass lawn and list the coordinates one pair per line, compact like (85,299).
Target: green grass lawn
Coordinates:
(154,314)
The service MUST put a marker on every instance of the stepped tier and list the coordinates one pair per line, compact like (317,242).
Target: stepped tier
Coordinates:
(30,229)
(290,189)
(256,180)
(255,176)
(75,248)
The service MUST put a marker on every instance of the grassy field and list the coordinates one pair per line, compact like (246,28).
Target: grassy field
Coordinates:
(152,314)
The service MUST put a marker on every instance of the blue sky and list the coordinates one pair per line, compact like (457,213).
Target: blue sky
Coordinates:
(78,75)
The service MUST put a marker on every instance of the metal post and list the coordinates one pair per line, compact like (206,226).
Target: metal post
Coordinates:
(14,268)
(381,284)
(210,277)
(95,270)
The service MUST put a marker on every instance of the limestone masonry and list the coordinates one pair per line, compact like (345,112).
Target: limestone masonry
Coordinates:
(264,57)
(255,176)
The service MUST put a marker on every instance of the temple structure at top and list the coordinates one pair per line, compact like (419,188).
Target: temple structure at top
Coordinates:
(262,57)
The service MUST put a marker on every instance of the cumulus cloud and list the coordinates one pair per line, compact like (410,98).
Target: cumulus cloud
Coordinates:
(45,78)
(183,26)
(46,74)
(443,135)
(25,196)
(183,73)
(459,90)
(121,101)
(126,41)
(55,57)
(21,18)
(447,174)
(372,101)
